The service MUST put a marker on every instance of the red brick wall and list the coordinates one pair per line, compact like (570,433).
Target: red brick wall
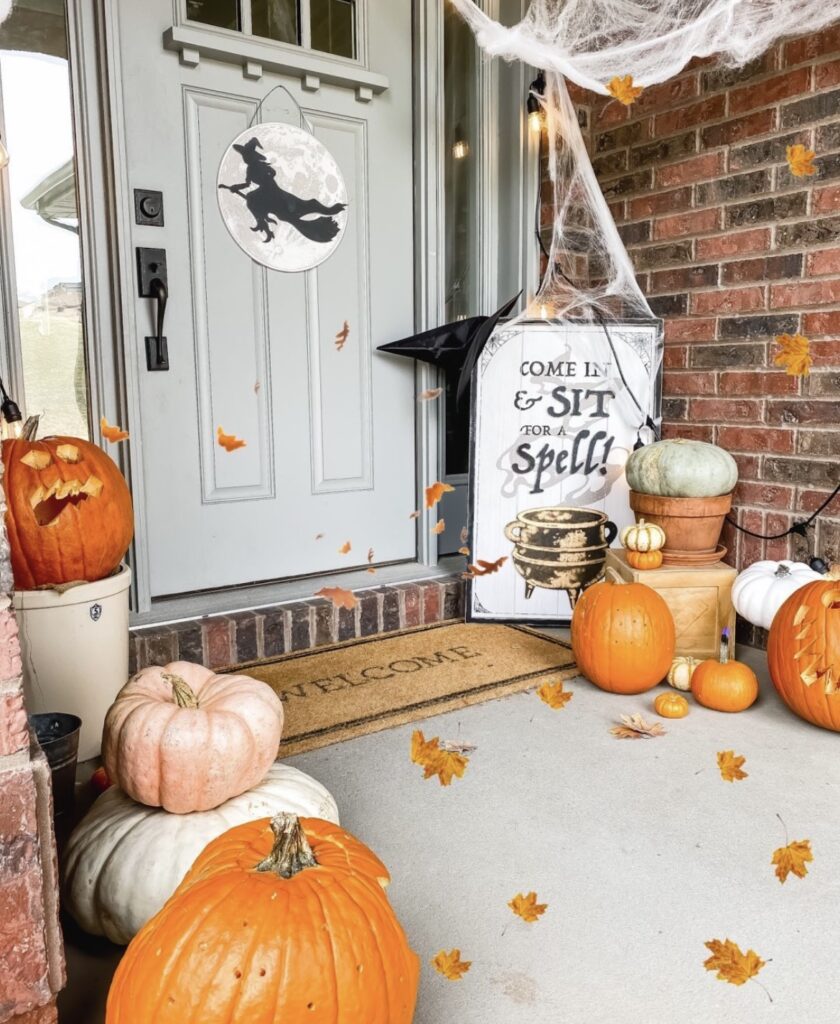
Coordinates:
(733,250)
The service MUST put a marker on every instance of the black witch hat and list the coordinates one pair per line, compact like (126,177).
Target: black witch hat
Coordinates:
(453,347)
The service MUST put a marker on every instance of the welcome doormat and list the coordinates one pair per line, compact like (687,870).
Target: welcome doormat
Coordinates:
(362,686)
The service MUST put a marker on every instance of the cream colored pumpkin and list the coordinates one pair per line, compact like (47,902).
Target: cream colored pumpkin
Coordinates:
(681,671)
(763,587)
(124,860)
(643,536)
(185,739)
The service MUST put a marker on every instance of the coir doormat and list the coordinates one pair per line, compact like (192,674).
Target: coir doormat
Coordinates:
(362,686)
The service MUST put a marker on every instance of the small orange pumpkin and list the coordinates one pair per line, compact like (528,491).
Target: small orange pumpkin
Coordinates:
(277,920)
(643,559)
(670,705)
(623,635)
(68,510)
(724,685)
(803,651)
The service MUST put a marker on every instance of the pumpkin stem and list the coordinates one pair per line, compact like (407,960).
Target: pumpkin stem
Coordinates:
(291,852)
(30,428)
(782,571)
(182,694)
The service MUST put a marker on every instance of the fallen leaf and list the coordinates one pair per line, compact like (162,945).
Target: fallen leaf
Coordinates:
(436,760)
(623,90)
(634,727)
(730,963)
(430,394)
(800,160)
(371,571)
(112,433)
(795,354)
(730,766)
(465,551)
(319,536)
(439,526)
(554,695)
(465,533)
(340,597)
(484,568)
(450,964)
(342,336)
(230,442)
(370,555)
(527,907)
(345,548)
(436,492)
(414,515)
(792,859)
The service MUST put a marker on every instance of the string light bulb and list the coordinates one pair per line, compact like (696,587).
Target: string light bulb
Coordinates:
(10,417)
(460,147)
(533,104)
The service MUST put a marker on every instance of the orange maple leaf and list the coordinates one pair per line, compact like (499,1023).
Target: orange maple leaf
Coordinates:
(795,354)
(429,394)
(554,695)
(730,766)
(792,859)
(450,964)
(484,568)
(345,548)
(436,492)
(800,160)
(730,963)
(340,597)
(112,433)
(435,760)
(439,526)
(527,907)
(623,90)
(342,336)
(230,442)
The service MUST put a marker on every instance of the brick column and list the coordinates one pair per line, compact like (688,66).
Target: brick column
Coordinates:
(31,949)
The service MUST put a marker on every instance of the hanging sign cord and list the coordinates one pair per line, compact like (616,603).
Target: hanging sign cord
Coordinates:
(800,527)
(303,122)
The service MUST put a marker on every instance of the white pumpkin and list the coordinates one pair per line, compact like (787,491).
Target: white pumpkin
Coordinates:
(763,587)
(124,860)
(643,536)
(681,671)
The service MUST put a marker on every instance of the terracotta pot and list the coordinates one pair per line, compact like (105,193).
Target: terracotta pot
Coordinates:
(690,524)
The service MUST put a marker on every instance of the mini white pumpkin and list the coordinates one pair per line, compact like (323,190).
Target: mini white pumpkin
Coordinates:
(643,536)
(124,860)
(681,671)
(763,587)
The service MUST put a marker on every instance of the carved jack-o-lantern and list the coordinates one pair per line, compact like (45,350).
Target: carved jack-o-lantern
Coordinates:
(68,515)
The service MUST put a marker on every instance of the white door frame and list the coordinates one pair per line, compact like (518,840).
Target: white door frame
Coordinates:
(105,211)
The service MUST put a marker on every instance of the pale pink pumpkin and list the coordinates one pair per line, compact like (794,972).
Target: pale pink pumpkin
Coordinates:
(185,739)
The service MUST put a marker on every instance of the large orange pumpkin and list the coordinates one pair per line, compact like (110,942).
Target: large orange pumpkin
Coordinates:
(68,513)
(280,921)
(623,636)
(803,651)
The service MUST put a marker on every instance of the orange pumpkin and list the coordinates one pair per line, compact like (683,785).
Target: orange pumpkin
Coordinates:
(670,705)
(724,685)
(803,651)
(623,636)
(644,559)
(277,920)
(68,514)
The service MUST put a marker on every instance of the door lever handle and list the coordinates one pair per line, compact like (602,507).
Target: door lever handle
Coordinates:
(157,355)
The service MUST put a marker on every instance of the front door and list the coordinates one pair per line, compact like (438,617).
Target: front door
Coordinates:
(284,361)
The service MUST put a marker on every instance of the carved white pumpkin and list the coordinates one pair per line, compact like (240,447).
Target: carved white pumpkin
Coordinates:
(124,860)
(681,671)
(643,536)
(763,587)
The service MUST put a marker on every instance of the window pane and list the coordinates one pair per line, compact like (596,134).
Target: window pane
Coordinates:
(45,223)
(275,19)
(221,13)
(333,25)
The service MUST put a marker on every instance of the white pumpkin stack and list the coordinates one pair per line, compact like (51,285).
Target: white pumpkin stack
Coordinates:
(191,755)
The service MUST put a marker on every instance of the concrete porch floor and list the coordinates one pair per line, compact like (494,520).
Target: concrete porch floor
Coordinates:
(640,849)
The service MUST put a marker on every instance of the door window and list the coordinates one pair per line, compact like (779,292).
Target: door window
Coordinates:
(325,25)
(44,293)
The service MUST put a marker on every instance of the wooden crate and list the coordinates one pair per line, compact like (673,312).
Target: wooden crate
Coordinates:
(700,599)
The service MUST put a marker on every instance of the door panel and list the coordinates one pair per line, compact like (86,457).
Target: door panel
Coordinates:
(329,431)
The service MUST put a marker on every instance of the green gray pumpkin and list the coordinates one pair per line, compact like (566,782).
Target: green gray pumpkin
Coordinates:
(682,469)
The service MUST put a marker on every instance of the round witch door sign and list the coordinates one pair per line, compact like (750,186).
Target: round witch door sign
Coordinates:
(282,197)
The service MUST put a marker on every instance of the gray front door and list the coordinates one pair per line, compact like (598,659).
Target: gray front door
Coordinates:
(329,427)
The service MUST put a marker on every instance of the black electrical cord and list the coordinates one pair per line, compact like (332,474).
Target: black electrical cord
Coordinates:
(800,527)
(9,408)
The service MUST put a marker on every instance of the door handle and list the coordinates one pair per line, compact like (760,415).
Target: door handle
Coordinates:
(157,355)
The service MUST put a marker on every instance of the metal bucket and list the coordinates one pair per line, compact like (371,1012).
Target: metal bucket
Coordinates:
(58,735)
